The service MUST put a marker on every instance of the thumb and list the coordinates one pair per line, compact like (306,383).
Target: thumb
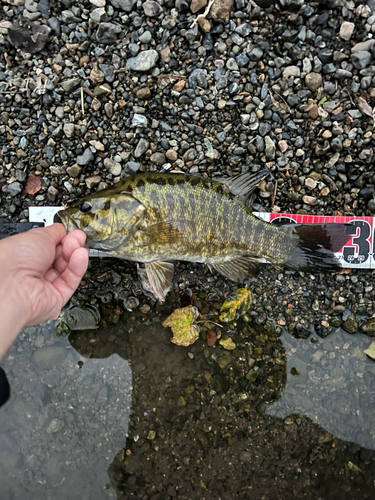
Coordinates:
(55,233)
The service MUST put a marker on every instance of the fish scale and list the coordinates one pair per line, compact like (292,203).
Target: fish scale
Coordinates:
(204,209)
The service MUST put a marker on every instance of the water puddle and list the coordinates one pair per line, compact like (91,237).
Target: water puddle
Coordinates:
(333,384)
(121,412)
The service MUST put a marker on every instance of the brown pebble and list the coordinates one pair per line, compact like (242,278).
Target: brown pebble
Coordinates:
(179,85)
(95,105)
(204,25)
(171,155)
(74,170)
(165,54)
(314,112)
(309,200)
(139,367)
(84,60)
(144,94)
(57,68)
(92,181)
(283,146)
(211,338)
(196,5)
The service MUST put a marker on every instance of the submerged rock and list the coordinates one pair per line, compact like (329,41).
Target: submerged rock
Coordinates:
(82,317)
(369,327)
(350,325)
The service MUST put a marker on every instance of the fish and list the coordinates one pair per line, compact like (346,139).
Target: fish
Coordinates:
(158,218)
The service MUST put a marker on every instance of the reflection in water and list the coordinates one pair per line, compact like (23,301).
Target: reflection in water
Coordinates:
(335,385)
(66,420)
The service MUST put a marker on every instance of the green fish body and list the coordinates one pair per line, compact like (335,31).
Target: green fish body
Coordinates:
(159,218)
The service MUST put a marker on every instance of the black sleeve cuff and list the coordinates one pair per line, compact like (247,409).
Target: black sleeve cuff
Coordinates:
(4,388)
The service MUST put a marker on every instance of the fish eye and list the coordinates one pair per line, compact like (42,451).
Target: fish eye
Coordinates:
(86,207)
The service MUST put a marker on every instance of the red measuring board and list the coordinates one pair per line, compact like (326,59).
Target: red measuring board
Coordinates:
(357,253)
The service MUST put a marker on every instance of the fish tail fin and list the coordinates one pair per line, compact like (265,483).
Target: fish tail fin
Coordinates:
(316,247)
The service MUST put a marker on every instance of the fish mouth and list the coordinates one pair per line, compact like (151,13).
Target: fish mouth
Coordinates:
(68,223)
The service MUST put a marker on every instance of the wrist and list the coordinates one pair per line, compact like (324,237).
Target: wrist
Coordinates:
(12,319)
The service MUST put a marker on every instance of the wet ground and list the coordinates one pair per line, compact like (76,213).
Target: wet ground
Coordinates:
(122,412)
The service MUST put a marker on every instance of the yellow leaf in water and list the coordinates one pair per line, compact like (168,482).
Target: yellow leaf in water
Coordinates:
(370,351)
(181,322)
(203,485)
(354,468)
(236,306)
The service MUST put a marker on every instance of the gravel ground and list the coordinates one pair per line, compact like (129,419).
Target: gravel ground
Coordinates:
(93,91)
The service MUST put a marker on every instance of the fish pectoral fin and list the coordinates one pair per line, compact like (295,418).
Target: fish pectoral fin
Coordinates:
(157,278)
(109,245)
(239,269)
(244,184)
(162,233)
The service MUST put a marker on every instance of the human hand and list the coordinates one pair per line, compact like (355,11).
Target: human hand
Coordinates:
(39,272)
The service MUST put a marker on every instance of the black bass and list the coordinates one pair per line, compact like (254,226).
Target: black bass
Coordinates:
(159,218)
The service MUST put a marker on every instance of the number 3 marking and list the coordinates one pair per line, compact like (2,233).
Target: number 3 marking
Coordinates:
(361,241)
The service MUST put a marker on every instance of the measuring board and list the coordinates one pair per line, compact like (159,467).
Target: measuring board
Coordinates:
(357,253)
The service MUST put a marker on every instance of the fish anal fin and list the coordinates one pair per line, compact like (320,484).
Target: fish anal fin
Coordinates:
(239,269)
(157,278)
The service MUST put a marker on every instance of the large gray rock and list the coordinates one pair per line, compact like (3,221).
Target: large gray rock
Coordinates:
(139,121)
(14,188)
(361,59)
(132,167)
(152,9)
(108,33)
(48,356)
(270,147)
(85,158)
(30,37)
(71,84)
(82,317)
(198,78)
(366,45)
(123,5)
(144,61)
(141,148)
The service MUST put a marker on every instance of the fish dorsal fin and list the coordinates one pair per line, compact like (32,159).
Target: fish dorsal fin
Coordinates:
(243,185)
(165,232)
(157,278)
(239,269)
